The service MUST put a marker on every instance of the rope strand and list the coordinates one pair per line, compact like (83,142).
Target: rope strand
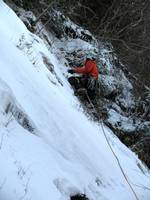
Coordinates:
(117,159)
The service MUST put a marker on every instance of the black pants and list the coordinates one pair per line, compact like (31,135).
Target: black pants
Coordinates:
(87,82)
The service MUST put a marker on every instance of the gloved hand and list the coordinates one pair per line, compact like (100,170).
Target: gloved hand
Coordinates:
(71,71)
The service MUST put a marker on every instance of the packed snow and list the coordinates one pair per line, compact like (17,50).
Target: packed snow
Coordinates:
(49,149)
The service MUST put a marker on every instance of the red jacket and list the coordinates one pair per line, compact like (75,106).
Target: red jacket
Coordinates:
(89,67)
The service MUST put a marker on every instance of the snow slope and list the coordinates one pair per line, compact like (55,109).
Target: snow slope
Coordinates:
(48,148)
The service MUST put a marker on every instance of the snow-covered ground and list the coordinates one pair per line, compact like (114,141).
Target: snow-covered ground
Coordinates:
(49,149)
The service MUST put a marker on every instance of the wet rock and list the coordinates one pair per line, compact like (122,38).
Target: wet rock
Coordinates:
(109,87)
(144,129)
(142,149)
(123,127)
(28,18)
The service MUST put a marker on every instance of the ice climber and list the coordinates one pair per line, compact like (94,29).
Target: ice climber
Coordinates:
(89,78)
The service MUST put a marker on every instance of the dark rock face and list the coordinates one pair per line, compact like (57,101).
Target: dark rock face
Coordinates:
(144,129)
(79,197)
(28,18)
(143,107)
(142,149)
(64,27)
